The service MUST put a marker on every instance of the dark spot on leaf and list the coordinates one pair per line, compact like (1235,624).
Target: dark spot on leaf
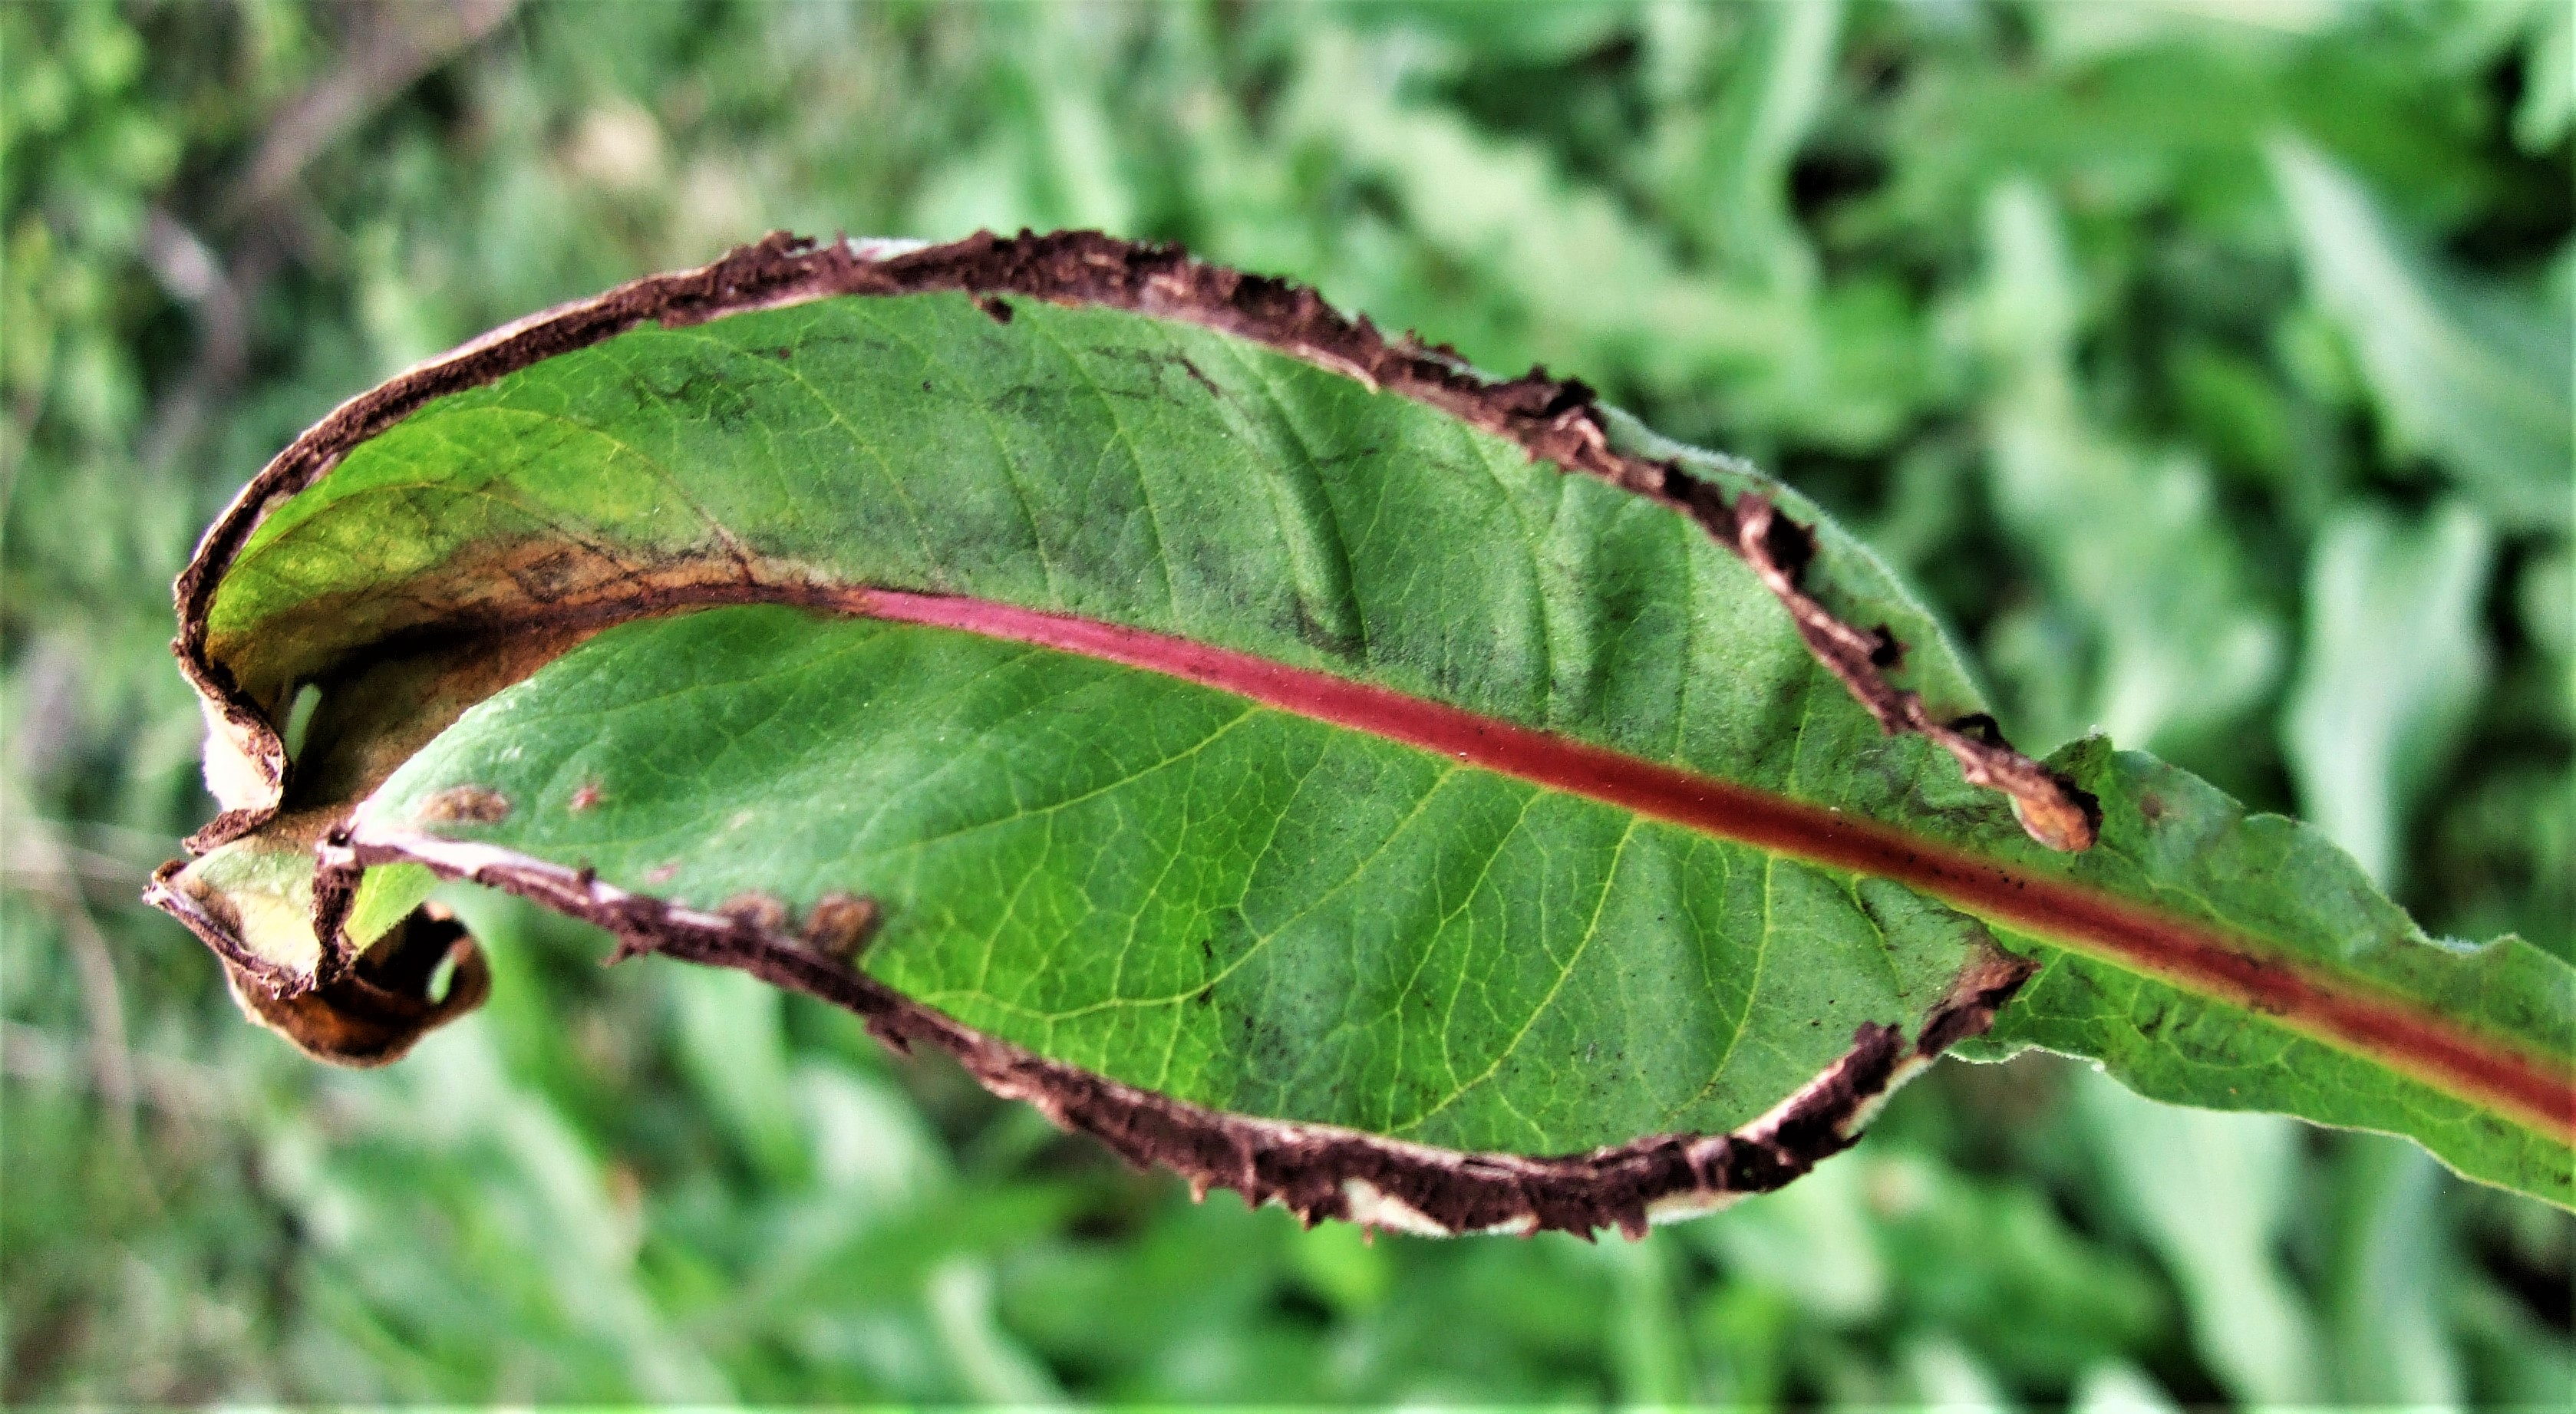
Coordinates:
(1887,653)
(997,307)
(2151,807)
(1979,725)
(839,924)
(757,909)
(1326,638)
(707,394)
(1790,546)
(548,577)
(462,805)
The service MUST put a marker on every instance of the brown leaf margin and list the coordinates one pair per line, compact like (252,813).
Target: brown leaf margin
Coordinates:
(1553,420)
(1315,1171)
(363,1011)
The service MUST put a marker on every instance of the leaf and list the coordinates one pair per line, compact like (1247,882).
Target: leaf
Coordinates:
(2179,655)
(2387,1279)
(1238,736)
(1837,363)
(2548,81)
(2211,1192)
(2396,659)
(2477,382)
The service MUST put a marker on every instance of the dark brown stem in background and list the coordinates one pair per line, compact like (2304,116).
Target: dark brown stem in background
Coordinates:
(1554,420)
(1315,1171)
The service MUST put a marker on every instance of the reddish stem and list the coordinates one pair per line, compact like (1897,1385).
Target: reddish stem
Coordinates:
(2197,956)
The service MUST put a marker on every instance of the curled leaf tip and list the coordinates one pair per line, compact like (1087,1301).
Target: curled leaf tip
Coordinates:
(374,1012)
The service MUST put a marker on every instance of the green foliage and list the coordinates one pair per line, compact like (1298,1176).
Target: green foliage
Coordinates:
(1801,248)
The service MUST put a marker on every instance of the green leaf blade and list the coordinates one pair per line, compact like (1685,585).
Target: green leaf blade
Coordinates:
(2476,382)
(1230,904)
(1118,883)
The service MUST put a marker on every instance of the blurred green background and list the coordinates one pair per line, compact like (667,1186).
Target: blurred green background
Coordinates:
(2208,366)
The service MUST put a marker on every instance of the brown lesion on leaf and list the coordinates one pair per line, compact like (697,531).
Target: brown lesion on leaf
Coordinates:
(383,701)
(377,710)
(496,610)
(1316,1171)
(1889,655)
(462,805)
(839,925)
(758,911)
(1990,978)
(584,796)
(2056,812)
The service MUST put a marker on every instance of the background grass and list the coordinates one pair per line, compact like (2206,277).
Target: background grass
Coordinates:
(2211,375)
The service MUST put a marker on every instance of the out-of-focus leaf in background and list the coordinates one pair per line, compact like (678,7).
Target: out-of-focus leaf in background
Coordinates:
(2464,374)
(1859,244)
(2394,663)
(2149,630)
(2212,1192)
(2384,1280)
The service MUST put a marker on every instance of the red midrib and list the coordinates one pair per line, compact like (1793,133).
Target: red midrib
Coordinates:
(2193,955)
